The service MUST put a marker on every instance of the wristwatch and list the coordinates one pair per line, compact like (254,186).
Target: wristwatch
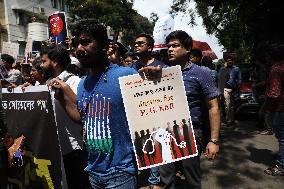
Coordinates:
(214,141)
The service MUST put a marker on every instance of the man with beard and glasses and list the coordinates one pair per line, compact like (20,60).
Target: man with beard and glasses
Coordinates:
(99,105)
(55,61)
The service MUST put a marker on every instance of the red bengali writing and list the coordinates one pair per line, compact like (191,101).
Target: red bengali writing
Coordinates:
(154,101)
(156,109)
(140,81)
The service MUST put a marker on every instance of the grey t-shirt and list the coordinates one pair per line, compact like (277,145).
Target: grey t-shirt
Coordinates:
(15,76)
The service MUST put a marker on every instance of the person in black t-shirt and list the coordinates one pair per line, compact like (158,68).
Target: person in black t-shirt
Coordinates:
(228,83)
(143,47)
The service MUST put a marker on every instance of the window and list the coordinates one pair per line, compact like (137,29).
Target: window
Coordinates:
(58,4)
(62,5)
(22,47)
(36,46)
(54,3)
(20,18)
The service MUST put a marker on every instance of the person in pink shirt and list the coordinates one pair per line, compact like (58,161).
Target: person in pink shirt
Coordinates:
(274,103)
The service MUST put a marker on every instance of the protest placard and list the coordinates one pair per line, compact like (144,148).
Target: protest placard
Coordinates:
(11,49)
(29,46)
(57,27)
(30,116)
(158,116)
(163,27)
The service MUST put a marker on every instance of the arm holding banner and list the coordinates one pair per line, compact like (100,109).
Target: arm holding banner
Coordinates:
(67,97)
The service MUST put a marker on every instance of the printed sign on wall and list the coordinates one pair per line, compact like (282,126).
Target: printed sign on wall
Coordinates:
(158,117)
(11,49)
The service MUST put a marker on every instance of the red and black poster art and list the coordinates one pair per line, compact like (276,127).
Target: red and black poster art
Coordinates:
(159,118)
(35,155)
(57,27)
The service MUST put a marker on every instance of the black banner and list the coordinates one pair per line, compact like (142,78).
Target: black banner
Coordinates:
(30,114)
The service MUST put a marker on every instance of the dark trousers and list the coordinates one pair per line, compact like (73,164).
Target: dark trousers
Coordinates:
(3,167)
(74,164)
(190,168)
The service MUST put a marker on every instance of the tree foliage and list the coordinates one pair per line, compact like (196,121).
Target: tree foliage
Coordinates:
(118,14)
(240,26)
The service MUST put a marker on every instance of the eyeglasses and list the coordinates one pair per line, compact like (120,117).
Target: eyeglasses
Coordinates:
(140,43)
(83,41)
(175,45)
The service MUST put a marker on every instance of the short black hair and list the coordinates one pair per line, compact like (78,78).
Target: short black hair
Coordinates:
(91,27)
(127,54)
(149,38)
(45,49)
(60,55)
(208,62)
(229,57)
(196,52)
(36,63)
(7,58)
(183,37)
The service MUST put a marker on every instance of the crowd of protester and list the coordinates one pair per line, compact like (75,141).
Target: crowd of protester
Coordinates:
(85,69)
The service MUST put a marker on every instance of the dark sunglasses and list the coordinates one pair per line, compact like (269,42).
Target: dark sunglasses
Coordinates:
(140,43)
(173,45)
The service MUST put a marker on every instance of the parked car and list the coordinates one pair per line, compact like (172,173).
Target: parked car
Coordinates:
(246,106)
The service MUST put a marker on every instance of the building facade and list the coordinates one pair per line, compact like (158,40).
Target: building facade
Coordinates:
(23,19)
